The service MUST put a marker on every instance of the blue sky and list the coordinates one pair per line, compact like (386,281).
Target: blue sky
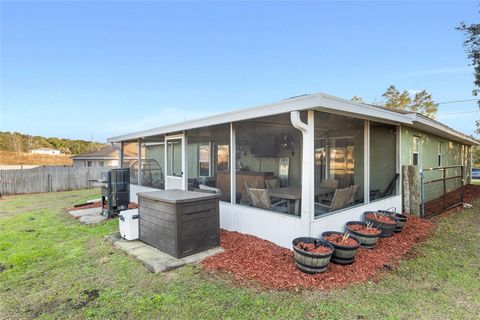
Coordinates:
(83,69)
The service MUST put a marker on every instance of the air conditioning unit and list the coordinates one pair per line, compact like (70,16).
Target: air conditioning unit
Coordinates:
(128,224)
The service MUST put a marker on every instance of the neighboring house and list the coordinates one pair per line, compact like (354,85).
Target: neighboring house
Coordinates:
(102,157)
(48,151)
(298,167)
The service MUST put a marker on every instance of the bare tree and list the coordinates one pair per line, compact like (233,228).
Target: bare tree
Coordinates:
(15,142)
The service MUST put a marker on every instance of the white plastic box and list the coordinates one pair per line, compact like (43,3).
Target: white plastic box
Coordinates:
(128,224)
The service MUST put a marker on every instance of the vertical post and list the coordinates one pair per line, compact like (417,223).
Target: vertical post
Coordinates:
(422,195)
(139,161)
(399,160)
(366,161)
(233,165)
(463,184)
(184,162)
(121,154)
(307,213)
(444,188)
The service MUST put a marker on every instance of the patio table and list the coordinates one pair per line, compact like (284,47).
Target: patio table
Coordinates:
(295,194)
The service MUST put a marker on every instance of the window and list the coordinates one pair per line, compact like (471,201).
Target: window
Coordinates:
(440,154)
(208,160)
(204,160)
(268,164)
(383,160)
(416,151)
(89,163)
(339,168)
(101,163)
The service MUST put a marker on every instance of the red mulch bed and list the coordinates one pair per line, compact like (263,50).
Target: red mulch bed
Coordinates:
(250,258)
(97,204)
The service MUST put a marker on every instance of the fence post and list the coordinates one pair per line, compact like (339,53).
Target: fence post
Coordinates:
(422,194)
(444,188)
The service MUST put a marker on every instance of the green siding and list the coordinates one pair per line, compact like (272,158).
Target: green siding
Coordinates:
(454,153)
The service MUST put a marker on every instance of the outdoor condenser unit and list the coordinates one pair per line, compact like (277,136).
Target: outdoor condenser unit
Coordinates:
(116,190)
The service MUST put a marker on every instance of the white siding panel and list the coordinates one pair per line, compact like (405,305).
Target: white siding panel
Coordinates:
(134,189)
(336,221)
(277,228)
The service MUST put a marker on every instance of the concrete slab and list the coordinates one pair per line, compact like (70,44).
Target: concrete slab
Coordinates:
(154,259)
(88,216)
(92,219)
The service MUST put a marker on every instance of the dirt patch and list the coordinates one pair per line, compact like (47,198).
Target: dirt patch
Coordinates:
(250,258)
(3,267)
(470,193)
(97,204)
(88,296)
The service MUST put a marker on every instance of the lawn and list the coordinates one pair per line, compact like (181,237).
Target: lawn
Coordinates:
(52,267)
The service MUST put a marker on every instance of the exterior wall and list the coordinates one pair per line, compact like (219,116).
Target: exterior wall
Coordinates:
(46,151)
(278,228)
(336,221)
(77,163)
(134,189)
(454,153)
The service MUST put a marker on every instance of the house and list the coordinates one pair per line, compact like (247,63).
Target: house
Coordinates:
(103,157)
(47,151)
(297,167)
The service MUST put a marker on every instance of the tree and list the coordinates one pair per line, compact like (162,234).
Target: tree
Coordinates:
(357,99)
(15,142)
(472,45)
(421,102)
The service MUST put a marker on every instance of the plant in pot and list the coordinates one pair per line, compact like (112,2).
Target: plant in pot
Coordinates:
(345,246)
(382,221)
(312,255)
(401,218)
(366,233)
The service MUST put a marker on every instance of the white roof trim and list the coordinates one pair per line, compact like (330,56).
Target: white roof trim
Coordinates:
(426,124)
(318,101)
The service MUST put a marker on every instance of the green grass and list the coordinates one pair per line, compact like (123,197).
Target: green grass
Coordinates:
(57,268)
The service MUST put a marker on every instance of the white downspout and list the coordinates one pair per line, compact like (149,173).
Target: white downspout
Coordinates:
(307,214)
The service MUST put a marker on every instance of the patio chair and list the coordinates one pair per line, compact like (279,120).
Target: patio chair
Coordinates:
(376,194)
(260,199)
(329,183)
(338,200)
(272,183)
(352,193)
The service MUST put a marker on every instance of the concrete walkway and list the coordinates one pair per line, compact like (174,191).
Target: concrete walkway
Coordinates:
(88,216)
(154,259)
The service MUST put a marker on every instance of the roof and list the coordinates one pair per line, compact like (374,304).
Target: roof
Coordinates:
(106,153)
(317,101)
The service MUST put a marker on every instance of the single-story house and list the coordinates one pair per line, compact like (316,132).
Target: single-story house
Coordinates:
(297,167)
(106,156)
(48,151)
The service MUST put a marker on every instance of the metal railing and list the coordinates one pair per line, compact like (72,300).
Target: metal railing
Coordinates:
(442,192)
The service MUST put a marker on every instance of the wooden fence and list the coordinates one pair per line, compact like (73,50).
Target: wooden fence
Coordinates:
(47,179)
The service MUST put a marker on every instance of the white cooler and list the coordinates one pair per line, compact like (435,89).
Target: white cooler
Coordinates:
(128,224)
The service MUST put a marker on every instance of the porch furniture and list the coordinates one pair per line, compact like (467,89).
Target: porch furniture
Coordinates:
(352,193)
(272,183)
(338,200)
(177,222)
(289,194)
(376,194)
(261,199)
(254,179)
(329,183)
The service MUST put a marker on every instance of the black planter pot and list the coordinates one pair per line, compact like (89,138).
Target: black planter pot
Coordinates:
(387,228)
(368,241)
(401,218)
(309,262)
(343,254)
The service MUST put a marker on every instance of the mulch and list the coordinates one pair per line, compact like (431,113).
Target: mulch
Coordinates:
(250,258)
(97,204)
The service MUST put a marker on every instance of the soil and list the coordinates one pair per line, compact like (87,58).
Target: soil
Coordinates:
(254,261)
(470,192)
(97,204)
(381,218)
(337,238)
(312,248)
(360,228)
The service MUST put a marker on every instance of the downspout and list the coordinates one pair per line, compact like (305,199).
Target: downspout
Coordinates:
(307,213)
